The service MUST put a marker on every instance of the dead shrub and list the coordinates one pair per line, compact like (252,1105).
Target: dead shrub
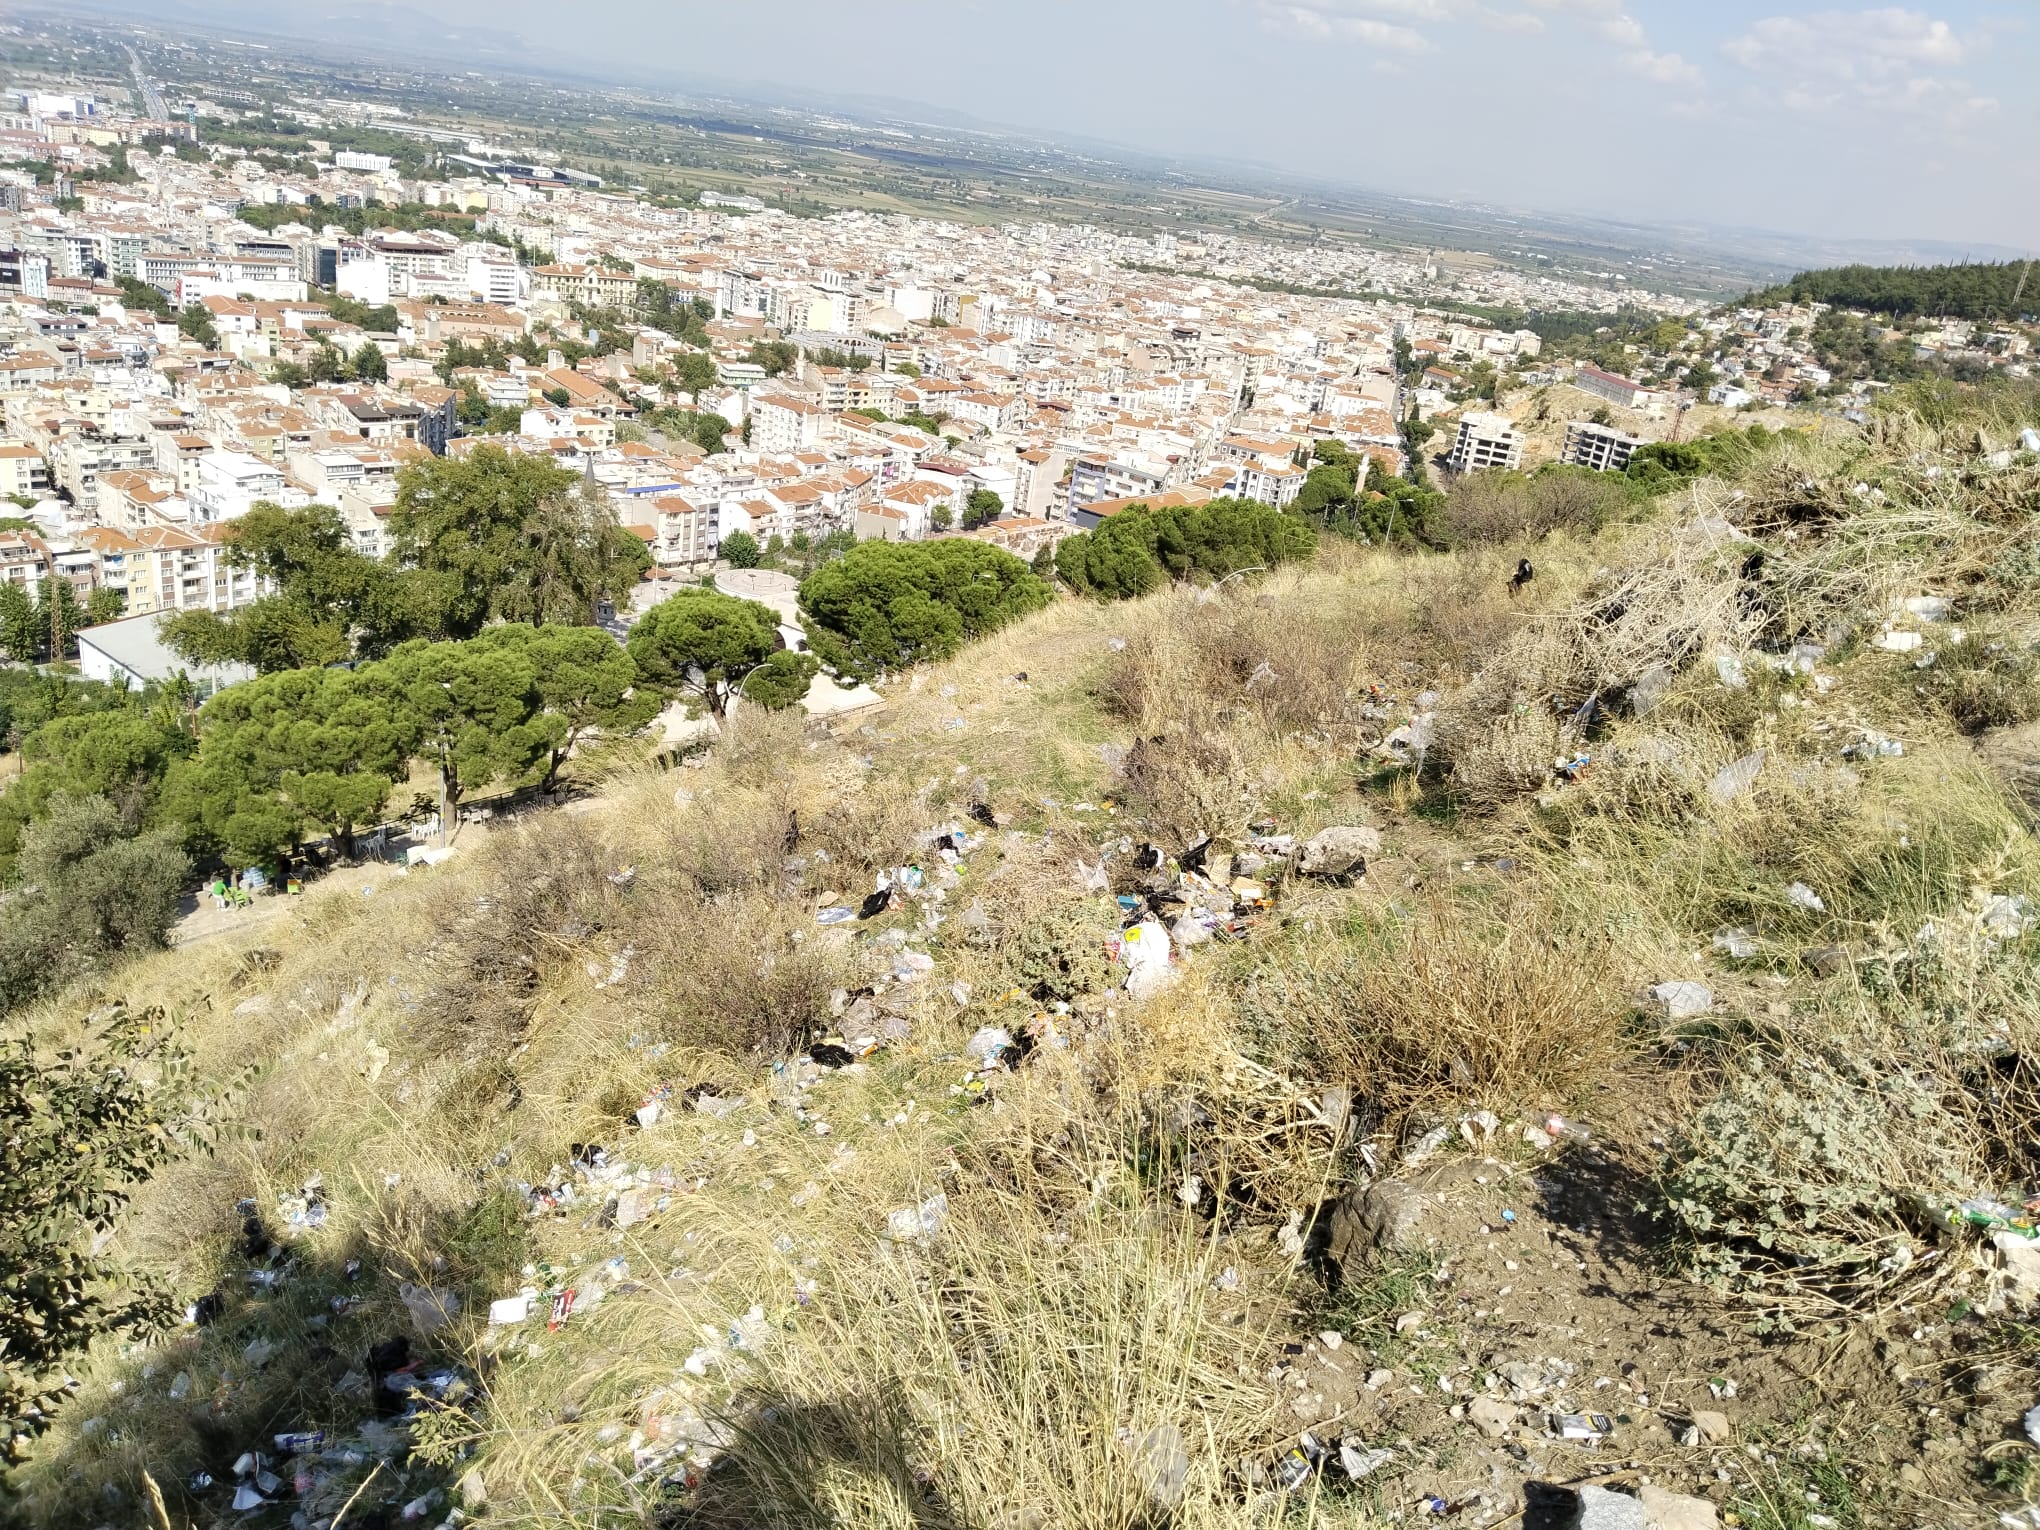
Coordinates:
(1460,1003)
(731,841)
(861,825)
(484,968)
(730,979)
(1501,507)
(1492,748)
(1191,782)
(1463,610)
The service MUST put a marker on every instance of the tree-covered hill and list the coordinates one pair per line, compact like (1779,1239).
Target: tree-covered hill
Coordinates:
(1972,290)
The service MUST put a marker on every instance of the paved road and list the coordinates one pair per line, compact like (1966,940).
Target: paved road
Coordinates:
(152,98)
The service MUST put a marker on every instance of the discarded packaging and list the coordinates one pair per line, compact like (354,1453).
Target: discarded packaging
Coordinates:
(1802,896)
(922,1221)
(509,1310)
(1683,999)
(988,1045)
(1145,950)
(1582,1426)
(1362,1463)
(1299,1462)
(1732,780)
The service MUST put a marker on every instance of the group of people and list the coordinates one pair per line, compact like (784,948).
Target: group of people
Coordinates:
(238,889)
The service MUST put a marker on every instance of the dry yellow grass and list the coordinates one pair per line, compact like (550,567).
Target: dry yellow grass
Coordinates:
(438,1047)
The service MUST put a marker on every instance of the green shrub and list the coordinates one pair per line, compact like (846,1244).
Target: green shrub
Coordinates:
(885,606)
(1138,548)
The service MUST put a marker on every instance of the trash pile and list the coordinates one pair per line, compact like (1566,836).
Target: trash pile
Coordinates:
(321,1470)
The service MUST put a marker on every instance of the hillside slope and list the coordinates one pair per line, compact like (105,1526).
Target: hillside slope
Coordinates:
(1639,1071)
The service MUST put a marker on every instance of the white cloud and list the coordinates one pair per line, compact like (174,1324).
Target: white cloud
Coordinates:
(1511,21)
(1624,30)
(1890,59)
(1394,26)
(1663,68)
(1332,18)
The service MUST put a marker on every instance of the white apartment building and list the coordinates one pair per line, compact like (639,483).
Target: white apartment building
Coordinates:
(780,424)
(683,532)
(230,484)
(494,278)
(1600,447)
(1486,441)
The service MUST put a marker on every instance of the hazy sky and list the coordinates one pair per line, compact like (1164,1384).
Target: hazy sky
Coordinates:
(1845,121)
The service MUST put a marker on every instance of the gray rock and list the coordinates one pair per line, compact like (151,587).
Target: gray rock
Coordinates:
(1493,1415)
(1604,1509)
(1339,852)
(1664,1510)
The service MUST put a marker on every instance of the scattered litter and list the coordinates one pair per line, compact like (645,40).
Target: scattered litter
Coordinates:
(1802,896)
(1993,1215)
(1289,1238)
(1581,1426)
(1300,1462)
(1728,669)
(1362,1463)
(2006,917)
(1737,942)
(1732,780)
(1873,745)
(431,1309)
(1683,999)
(988,1045)
(1165,1465)
(509,1310)
(1145,951)
(924,1221)
(1899,642)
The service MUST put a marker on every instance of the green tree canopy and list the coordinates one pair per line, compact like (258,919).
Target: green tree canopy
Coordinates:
(782,680)
(696,370)
(586,679)
(21,639)
(89,889)
(288,750)
(740,550)
(369,364)
(982,508)
(704,642)
(84,1125)
(514,538)
(1137,548)
(332,602)
(1971,290)
(884,606)
(119,755)
(474,712)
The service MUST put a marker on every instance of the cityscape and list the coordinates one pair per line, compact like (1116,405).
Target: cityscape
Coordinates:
(728,806)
